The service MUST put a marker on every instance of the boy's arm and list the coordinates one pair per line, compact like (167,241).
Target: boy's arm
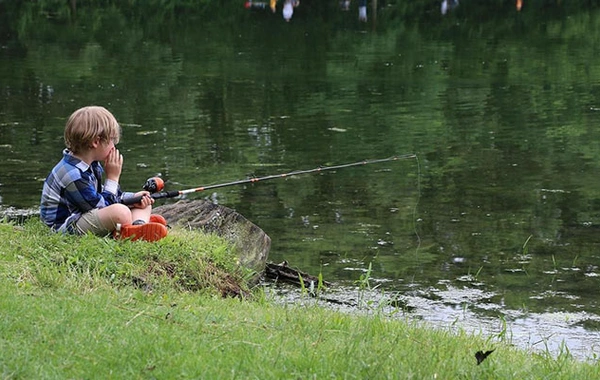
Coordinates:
(112,192)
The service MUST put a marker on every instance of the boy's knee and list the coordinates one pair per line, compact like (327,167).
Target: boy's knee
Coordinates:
(123,211)
(118,213)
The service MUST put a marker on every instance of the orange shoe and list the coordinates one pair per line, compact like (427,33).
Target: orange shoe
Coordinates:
(147,231)
(155,218)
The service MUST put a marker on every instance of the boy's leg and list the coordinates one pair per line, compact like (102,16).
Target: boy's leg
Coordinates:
(141,214)
(103,221)
(146,216)
(115,214)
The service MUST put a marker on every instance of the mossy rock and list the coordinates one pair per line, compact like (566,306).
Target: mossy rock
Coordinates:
(252,243)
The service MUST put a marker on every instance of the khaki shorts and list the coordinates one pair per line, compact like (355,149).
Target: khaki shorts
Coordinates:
(90,222)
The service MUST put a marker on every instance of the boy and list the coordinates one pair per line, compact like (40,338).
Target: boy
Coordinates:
(73,199)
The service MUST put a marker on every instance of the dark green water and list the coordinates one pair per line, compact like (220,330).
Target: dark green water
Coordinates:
(498,216)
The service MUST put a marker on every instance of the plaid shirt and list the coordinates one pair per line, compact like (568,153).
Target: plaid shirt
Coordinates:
(72,189)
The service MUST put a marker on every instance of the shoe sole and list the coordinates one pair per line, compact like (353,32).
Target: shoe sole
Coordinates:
(147,232)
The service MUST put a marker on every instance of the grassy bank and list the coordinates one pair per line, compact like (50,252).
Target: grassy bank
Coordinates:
(95,308)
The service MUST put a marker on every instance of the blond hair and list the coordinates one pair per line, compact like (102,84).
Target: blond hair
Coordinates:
(89,123)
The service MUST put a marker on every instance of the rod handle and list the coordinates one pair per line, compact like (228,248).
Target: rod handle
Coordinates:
(133,200)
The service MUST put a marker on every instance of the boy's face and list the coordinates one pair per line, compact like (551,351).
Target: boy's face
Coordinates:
(104,148)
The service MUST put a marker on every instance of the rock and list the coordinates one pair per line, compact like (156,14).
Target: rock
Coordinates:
(252,243)
(16,215)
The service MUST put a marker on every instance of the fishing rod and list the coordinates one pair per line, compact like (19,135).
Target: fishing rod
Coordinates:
(155,185)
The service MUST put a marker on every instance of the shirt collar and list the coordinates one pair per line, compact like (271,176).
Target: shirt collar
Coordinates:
(80,164)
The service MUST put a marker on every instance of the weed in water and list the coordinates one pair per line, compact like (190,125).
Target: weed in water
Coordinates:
(525,247)
(364,285)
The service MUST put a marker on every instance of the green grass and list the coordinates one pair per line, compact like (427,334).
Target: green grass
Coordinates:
(70,308)
(184,261)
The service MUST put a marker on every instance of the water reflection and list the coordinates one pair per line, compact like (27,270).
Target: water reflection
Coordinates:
(256,4)
(362,8)
(288,9)
(448,5)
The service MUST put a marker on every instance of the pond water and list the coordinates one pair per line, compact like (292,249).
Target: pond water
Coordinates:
(493,221)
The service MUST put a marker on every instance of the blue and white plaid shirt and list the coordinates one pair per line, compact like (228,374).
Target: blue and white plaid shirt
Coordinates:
(72,189)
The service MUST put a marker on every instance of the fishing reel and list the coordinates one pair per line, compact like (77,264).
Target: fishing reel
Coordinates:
(154,185)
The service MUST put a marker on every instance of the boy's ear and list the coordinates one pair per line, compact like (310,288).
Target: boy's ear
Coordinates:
(95,143)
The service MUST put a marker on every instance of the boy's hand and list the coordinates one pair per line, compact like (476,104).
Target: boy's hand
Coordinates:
(113,165)
(146,200)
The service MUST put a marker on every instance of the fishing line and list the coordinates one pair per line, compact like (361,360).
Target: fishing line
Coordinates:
(417,205)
